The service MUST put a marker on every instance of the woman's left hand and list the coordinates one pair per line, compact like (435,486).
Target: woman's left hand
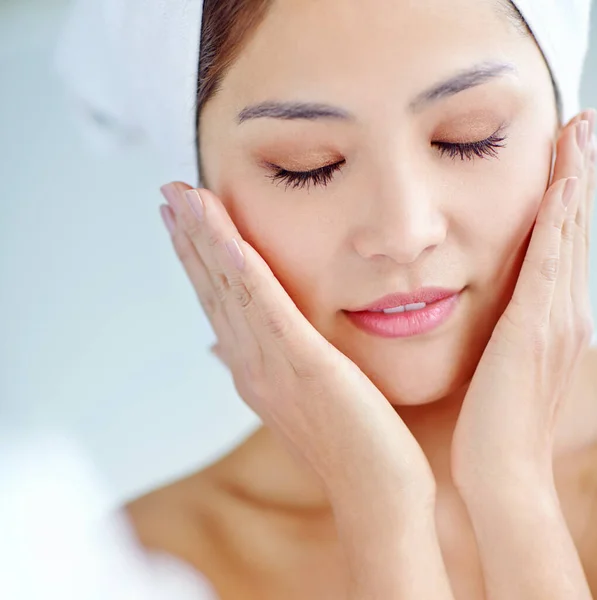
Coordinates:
(506,425)
(502,449)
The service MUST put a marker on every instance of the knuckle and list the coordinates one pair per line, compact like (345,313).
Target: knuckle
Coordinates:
(549,268)
(213,239)
(192,227)
(221,287)
(276,324)
(569,231)
(241,295)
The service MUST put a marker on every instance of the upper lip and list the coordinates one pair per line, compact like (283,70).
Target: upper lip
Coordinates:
(427,295)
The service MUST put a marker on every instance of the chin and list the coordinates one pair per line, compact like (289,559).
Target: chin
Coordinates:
(422,388)
(424,373)
(432,393)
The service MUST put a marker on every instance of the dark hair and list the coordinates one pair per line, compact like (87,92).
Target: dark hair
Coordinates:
(226,29)
(228,25)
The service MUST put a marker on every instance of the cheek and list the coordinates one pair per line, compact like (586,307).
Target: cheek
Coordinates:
(297,242)
(501,223)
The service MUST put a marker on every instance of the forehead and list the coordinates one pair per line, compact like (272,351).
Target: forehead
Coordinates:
(305,44)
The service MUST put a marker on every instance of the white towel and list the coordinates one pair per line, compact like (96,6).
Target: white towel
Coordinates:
(61,540)
(133,68)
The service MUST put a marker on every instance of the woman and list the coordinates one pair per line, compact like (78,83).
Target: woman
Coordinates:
(395,156)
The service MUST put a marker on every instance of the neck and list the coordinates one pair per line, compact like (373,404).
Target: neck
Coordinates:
(264,471)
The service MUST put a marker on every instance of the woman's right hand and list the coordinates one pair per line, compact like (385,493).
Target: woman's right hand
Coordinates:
(375,474)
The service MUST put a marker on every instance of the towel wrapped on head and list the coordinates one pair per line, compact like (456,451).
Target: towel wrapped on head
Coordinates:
(133,66)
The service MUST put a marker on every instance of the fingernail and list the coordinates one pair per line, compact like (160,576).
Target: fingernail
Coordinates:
(171,194)
(569,190)
(236,254)
(168,218)
(582,135)
(196,203)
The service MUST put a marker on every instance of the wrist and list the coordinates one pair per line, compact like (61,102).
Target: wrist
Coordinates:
(374,513)
(382,488)
(504,474)
(511,493)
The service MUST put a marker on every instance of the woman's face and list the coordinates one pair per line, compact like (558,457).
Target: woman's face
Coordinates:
(405,210)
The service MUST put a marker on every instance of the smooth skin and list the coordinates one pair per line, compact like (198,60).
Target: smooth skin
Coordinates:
(505,474)
(404,469)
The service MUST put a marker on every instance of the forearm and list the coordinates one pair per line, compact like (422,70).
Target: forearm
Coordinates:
(392,551)
(525,547)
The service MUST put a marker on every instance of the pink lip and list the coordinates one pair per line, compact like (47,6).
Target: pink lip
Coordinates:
(427,295)
(441,304)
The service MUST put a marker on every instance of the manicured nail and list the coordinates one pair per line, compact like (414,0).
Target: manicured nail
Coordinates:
(171,194)
(196,203)
(569,190)
(582,135)
(236,254)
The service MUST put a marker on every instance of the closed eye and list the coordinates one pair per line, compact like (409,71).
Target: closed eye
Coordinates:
(301,179)
(487,148)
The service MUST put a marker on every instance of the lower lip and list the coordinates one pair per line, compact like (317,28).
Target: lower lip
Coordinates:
(406,324)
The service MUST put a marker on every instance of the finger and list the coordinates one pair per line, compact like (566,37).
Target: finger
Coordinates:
(592,184)
(533,296)
(582,216)
(572,155)
(256,294)
(581,274)
(196,271)
(567,152)
(591,189)
(208,226)
(211,228)
(579,279)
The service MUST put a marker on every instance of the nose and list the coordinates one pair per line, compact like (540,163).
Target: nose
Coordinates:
(401,221)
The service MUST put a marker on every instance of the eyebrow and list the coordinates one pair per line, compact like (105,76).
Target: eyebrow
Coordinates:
(463,80)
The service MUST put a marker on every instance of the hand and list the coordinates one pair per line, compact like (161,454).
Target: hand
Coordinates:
(507,421)
(503,443)
(326,410)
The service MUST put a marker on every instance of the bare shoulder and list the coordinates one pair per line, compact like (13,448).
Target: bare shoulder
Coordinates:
(180,519)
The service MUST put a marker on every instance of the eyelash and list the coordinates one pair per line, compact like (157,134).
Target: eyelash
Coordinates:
(487,148)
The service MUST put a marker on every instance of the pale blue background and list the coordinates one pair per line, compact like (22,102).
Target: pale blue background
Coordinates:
(100,333)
